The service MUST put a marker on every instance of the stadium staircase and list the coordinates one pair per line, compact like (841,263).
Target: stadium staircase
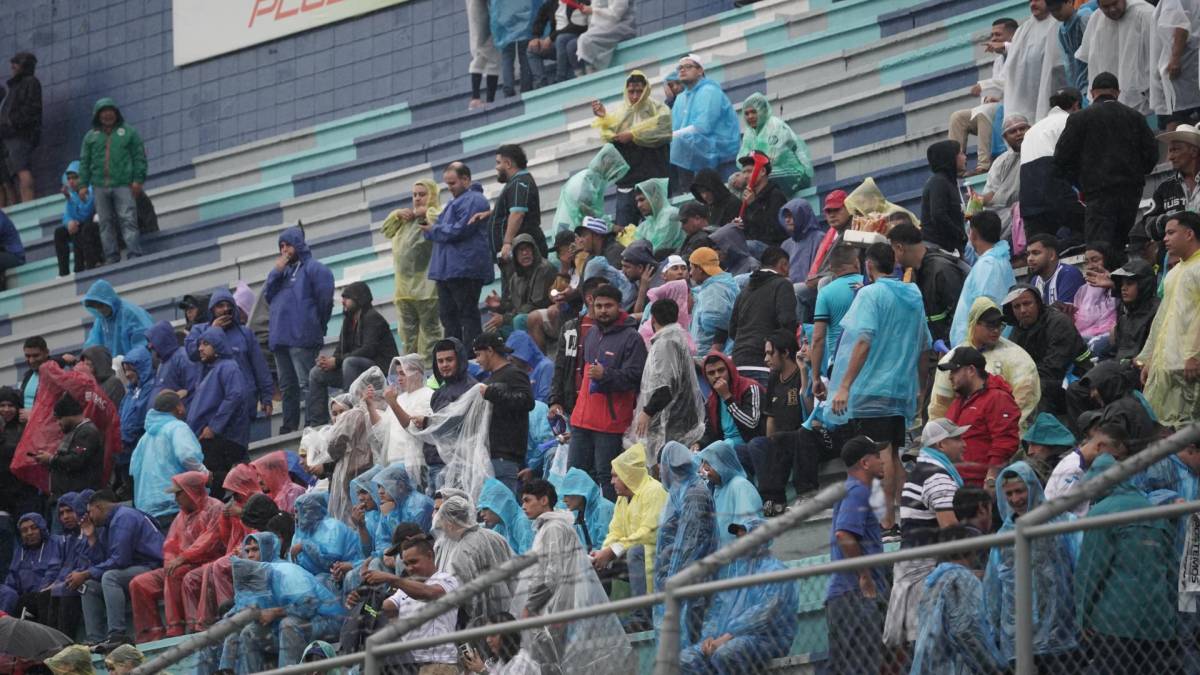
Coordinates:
(869,84)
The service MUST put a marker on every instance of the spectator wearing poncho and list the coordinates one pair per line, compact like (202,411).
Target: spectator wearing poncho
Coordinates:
(660,225)
(531,360)
(991,275)
(394,484)
(273,472)
(218,413)
(63,609)
(73,660)
(408,384)
(735,496)
(714,291)
(1117,40)
(791,168)
(466,550)
(1033,67)
(175,370)
(669,406)
(36,565)
(350,440)
(499,510)
(687,532)
(582,196)
(633,530)
(703,122)
(639,128)
(1055,635)
(226,316)
(120,325)
(138,369)
(321,541)
(365,516)
(593,512)
(166,449)
(415,293)
(747,627)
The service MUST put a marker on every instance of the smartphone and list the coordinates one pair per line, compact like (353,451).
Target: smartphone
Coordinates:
(465,651)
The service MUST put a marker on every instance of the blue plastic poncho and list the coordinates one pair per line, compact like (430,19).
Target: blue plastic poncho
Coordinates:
(539,450)
(712,308)
(123,329)
(592,524)
(138,398)
(735,496)
(1053,564)
(598,266)
(762,619)
(167,448)
(954,636)
(541,368)
(990,276)
(323,540)
(511,21)
(687,529)
(705,126)
(411,505)
(513,525)
(362,483)
(887,384)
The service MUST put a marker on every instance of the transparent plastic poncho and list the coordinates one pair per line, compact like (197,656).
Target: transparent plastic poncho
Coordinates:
(411,506)
(687,527)
(583,193)
(467,550)
(669,364)
(396,442)
(460,433)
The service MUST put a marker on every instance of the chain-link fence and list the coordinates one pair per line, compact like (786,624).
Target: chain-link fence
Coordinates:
(1112,592)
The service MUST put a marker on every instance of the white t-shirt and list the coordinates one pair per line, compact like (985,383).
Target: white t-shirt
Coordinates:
(443,624)
(1065,479)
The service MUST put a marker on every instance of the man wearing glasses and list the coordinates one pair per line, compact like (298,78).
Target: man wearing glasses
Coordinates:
(705,127)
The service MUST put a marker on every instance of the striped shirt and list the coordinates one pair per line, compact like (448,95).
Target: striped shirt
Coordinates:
(443,624)
(928,489)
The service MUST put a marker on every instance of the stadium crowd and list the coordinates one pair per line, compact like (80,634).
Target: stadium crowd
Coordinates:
(652,383)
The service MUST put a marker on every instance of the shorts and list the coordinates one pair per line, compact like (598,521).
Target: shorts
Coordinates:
(889,430)
(20,154)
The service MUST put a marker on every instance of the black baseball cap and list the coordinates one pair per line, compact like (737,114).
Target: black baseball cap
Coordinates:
(858,447)
(492,341)
(962,357)
(748,160)
(990,316)
(692,209)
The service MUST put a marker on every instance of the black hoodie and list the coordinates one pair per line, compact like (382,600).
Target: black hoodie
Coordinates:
(21,109)
(1055,346)
(941,202)
(1133,321)
(365,333)
(1114,383)
(767,304)
(725,206)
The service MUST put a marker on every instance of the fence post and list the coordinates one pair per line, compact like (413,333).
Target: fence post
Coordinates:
(214,634)
(1023,596)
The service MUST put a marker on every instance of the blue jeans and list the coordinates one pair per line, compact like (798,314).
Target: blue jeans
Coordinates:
(320,381)
(538,59)
(104,602)
(593,452)
(506,472)
(116,207)
(509,56)
(565,53)
(293,365)
(290,635)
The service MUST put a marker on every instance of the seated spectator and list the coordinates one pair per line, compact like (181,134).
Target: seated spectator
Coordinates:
(693,220)
(735,497)
(467,550)
(500,512)
(507,655)
(412,595)
(640,129)
(771,135)
(275,481)
(1136,288)
(778,452)
(1050,338)
(736,256)
(980,119)
(712,193)
(660,222)
(1067,477)
(610,23)
(715,291)
(593,513)
(704,124)
(1110,388)
(687,532)
(973,510)
(134,545)
(673,273)
(1095,307)
(839,219)
(73,660)
(668,404)
(804,236)
(218,414)
(528,358)
(168,448)
(78,229)
(394,485)
(526,289)
(833,300)
(953,634)
(415,396)
(1126,596)
(1003,186)
(366,340)
(1055,636)
(985,328)
(582,196)
(123,660)
(1055,280)
(141,387)
(197,513)
(320,541)
(941,201)
(672,87)
(763,200)
(629,547)
(174,371)
(63,606)
(991,276)
(38,559)
(1046,442)
(984,406)
(733,410)
(565,23)
(748,627)
(120,325)
(767,304)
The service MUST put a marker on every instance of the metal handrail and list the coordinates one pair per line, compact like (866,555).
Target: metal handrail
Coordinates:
(215,634)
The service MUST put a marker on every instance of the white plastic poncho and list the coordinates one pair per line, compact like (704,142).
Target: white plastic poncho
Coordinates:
(1123,49)
(1034,69)
(460,433)
(669,364)
(398,444)
(611,22)
(1183,92)
(350,447)
(562,580)
(467,550)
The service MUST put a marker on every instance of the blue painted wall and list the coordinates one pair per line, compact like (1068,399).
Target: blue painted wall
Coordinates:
(88,49)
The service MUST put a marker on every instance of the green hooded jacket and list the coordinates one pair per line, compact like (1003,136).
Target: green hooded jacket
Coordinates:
(773,137)
(112,159)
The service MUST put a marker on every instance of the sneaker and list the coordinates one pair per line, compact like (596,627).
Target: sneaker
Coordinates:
(111,642)
(772,509)
(891,534)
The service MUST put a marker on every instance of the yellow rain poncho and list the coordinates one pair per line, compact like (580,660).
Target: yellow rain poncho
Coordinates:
(661,228)
(773,137)
(1005,359)
(1175,338)
(411,251)
(649,121)
(73,660)
(635,519)
(583,193)
(868,198)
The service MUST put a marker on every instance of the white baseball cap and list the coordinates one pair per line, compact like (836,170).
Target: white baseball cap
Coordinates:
(673,261)
(939,430)
(694,59)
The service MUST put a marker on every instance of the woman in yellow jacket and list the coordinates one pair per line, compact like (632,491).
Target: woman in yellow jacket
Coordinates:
(416,295)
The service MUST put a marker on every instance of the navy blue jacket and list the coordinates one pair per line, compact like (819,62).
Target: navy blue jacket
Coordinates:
(175,370)
(301,297)
(461,249)
(245,348)
(130,538)
(220,401)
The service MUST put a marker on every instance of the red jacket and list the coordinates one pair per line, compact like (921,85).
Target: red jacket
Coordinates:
(622,352)
(995,431)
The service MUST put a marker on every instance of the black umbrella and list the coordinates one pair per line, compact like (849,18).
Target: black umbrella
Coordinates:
(29,639)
